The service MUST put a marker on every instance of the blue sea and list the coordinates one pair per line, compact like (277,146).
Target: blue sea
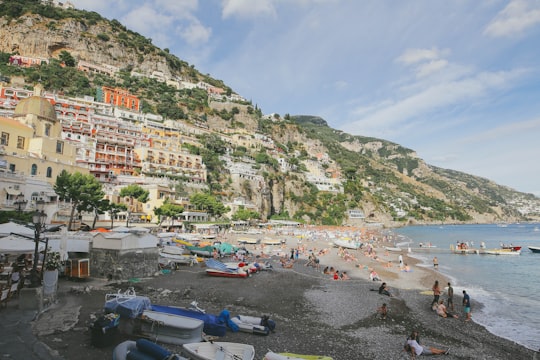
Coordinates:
(508,286)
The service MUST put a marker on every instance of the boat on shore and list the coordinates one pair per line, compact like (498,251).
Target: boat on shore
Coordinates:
(348,244)
(534,249)
(219,350)
(170,328)
(288,356)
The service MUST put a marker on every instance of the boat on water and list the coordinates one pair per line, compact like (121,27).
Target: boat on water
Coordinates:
(501,252)
(511,247)
(534,249)
(289,356)
(393,249)
(171,328)
(218,350)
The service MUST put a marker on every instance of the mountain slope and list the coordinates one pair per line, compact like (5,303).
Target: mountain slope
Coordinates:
(388,182)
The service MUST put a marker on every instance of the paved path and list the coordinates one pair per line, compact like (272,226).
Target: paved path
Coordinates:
(17,340)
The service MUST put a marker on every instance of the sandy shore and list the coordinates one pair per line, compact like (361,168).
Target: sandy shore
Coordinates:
(314,314)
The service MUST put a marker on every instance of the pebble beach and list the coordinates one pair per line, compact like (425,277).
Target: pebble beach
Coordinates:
(314,314)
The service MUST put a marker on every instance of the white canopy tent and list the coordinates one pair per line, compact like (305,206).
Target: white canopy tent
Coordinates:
(11,227)
(13,244)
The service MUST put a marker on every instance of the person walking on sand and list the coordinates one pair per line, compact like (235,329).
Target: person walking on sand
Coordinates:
(436,263)
(436,294)
(400,259)
(450,300)
(467,305)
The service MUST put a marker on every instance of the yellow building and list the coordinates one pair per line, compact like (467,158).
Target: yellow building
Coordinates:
(31,143)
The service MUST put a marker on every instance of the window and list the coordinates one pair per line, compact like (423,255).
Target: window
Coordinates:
(59,147)
(47,129)
(12,168)
(20,142)
(4,140)
(33,170)
(49,172)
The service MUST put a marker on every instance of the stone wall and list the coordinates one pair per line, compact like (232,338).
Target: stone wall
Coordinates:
(123,264)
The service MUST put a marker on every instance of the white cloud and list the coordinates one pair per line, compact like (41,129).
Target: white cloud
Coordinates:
(412,56)
(515,18)
(248,9)
(195,33)
(398,114)
(431,68)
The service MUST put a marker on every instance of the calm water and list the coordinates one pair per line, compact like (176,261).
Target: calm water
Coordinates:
(507,286)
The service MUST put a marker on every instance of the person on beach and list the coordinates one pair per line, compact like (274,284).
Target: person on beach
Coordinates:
(292,254)
(400,259)
(442,312)
(374,276)
(416,349)
(336,275)
(384,290)
(450,300)
(383,310)
(467,305)
(345,276)
(436,294)
(407,268)
(436,263)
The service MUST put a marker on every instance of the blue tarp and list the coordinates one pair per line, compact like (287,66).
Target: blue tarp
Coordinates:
(130,307)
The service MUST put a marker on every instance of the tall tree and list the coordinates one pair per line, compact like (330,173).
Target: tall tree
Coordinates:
(134,192)
(83,191)
(168,210)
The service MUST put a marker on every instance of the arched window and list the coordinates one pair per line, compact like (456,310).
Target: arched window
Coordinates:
(49,172)
(33,172)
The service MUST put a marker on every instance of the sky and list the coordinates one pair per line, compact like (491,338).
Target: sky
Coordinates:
(456,81)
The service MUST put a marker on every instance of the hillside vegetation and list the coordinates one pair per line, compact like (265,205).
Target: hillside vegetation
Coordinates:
(388,182)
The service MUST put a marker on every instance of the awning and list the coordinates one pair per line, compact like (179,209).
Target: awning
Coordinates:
(12,191)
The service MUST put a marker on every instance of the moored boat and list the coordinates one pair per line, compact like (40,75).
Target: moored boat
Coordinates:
(501,252)
(219,350)
(534,249)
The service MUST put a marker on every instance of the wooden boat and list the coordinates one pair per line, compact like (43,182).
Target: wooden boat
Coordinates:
(170,328)
(219,350)
(534,249)
(288,356)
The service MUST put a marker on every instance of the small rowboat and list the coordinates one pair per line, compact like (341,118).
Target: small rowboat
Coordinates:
(502,252)
(219,350)
(288,356)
